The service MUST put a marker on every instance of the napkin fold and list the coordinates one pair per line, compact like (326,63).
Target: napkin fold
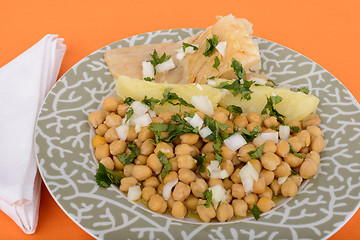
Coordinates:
(24,84)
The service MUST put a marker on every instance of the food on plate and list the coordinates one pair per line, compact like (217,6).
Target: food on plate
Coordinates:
(191,60)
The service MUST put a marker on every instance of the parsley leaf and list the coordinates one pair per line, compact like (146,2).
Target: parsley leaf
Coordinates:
(129,101)
(234,109)
(127,159)
(295,153)
(213,77)
(151,102)
(295,128)
(249,136)
(149,79)
(129,113)
(293,172)
(105,177)
(256,212)
(238,69)
(211,44)
(274,84)
(201,162)
(256,154)
(157,60)
(270,108)
(274,128)
(166,164)
(303,90)
(217,63)
(185,45)
(208,196)
(170,97)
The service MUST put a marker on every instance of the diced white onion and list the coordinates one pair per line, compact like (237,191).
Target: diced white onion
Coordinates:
(248,175)
(218,194)
(141,121)
(139,108)
(167,189)
(204,132)
(211,83)
(235,141)
(180,55)
(258,141)
(221,47)
(284,132)
(203,104)
(199,87)
(122,131)
(196,121)
(188,119)
(165,66)
(281,180)
(152,113)
(134,193)
(257,80)
(190,49)
(215,171)
(148,69)
(270,136)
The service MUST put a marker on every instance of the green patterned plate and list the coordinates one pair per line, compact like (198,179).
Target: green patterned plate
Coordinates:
(323,205)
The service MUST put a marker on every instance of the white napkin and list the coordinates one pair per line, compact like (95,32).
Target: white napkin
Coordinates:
(24,83)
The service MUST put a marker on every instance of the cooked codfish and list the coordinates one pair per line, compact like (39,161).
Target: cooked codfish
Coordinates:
(193,67)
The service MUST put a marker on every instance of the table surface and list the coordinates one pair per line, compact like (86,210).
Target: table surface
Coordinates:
(327,32)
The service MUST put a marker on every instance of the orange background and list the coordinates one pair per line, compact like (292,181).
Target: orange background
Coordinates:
(326,31)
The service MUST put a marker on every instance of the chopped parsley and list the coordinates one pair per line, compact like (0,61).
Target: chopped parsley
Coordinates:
(273,83)
(166,164)
(201,162)
(303,90)
(238,69)
(185,45)
(249,136)
(269,108)
(129,101)
(173,99)
(129,113)
(208,196)
(105,177)
(293,172)
(274,128)
(217,63)
(127,159)
(256,212)
(149,79)
(211,44)
(295,128)
(295,153)
(256,154)
(234,109)
(151,102)
(157,60)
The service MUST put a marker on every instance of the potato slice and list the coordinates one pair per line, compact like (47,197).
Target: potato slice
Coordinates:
(138,89)
(295,106)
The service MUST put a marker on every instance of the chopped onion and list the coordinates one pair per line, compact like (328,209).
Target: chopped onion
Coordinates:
(270,136)
(211,83)
(218,194)
(122,131)
(215,171)
(257,80)
(165,66)
(134,193)
(258,141)
(180,55)
(196,121)
(221,47)
(190,49)
(139,108)
(203,104)
(248,175)
(167,189)
(284,132)
(281,180)
(204,132)
(235,141)
(148,69)
(152,113)
(141,121)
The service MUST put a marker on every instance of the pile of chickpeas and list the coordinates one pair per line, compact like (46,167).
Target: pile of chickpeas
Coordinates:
(187,196)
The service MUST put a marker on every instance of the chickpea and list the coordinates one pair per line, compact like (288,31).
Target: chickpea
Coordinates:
(183,149)
(282,148)
(145,134)
(314,131)
(241,121)
(141,172)
(304,150)
(117,147)
(173,162)
(166,116)
(314,156)
(251,199)
(250,127)
(147,147)
(178,210)
(235,177)
(127,169)
(189,138)
(140,160)
(240,207)
(108,163)
(215,181)
(181,191)
(154,163)
(304,136)
(227,153)
(98,140)
(269,147)
(256,164)
(270,161)
(227,183)
(191,202)
(102,151)
(157,120)
(267,175)
(112,120)
(268,130)
(254,117)
(224,212)
(271,121)
(117,164)
(151,182)
(293,160)
(228,166)
(132,135)
(243,152)
(157,203)
(205,174)
(127,182)
(275,187)
(297,179)
(96,118)
(122,109)
(296,143)
(237,190)
(205,214)
(311,120)
(265,204)
(289,188)
(186,175)
(283,170)
(101,129)
(164,148)
(147,192)
(220,117)
(231,128)
(198,187)
(208,148)
(295,124)
(317,144)
(267,193)
(186,161)
(160,188)
(259,186)
(308,169)
(111,135)
(199,144)
(111,103)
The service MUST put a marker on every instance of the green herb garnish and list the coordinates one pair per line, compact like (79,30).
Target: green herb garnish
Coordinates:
(185,45)
(269,108)
(274,84)
(151,102)
(105,177)
(238,69)
(208,196)
(201,162)
(166,164)
(249,136)
(234,109)
(217,63)
(129,113)
(157,60)
(127,159)
(295,128)
(256,154)
(274,128)
(293,172)
(129,101)
(303,90)
(211,44)
(173,99)
(256,212)
(295,153)
(149,79)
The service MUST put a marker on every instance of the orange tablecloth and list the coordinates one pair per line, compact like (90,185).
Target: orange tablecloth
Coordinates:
(328,32)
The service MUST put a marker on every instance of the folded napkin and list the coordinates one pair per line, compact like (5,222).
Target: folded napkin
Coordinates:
(24,83)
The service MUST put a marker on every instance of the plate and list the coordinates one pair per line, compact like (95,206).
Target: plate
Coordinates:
(66,164)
